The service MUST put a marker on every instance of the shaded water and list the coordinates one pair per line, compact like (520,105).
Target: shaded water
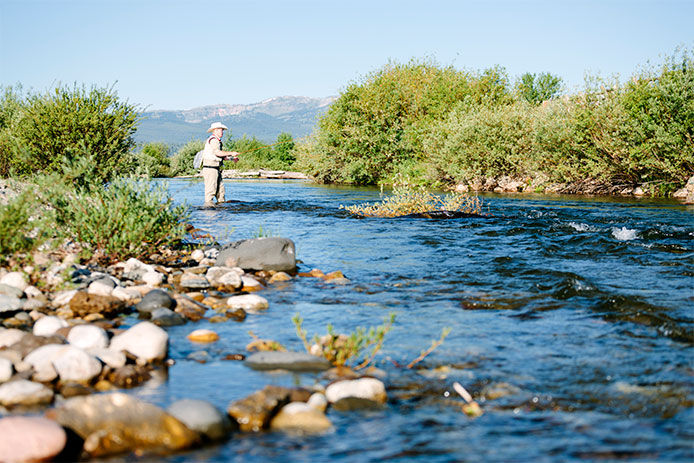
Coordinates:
(579,310)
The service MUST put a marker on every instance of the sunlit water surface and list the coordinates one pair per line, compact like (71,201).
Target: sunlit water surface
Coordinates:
(582,306)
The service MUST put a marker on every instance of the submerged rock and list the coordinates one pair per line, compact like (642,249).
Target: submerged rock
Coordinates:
(254,412)
(167,317)
(300,416)
(116,423)
(30,438)
(294,361)
(363,388)
(260,254)
(202,417)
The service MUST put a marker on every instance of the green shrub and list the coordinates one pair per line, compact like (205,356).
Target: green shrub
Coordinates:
(11,150)
(153,160)
(18,232)
(66,123)
(538,88)
(256,154)
(182,161)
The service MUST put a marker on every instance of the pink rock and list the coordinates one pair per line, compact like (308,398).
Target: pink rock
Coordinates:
(26,438)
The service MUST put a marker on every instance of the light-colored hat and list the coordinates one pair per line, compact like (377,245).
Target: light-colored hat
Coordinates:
(217,125)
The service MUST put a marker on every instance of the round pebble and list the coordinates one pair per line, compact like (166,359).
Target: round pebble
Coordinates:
(203,336)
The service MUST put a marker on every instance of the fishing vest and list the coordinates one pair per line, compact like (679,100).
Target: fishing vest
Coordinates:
(209,159)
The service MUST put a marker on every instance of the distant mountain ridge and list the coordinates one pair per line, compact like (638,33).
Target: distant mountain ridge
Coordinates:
(264,120)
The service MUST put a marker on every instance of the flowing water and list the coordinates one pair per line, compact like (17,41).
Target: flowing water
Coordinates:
(571,323)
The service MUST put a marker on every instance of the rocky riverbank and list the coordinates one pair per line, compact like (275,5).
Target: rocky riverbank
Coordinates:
(75,337)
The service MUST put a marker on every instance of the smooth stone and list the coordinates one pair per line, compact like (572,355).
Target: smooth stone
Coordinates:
(203,335)
(202,417)
(155,299)
(48,325)
(197,255)
(167,317)
(348,404)
(254,412)
(117,423)
(129,376)
(146,341)
(318,401)
(105,279)
(23,317)
(30,439)
(62,298)
(9,303)
(200,356)
(362,388)
(24,392)
(193,281)
(250,283)
(33,304)
(153,278)
(134,265)
(84,304)
(251,303)
(41,360)
(6,369)
(110,357)
(16,279)
(10,336)
(100,288)
(231,280)
(211,253)
(33,292)
(125,294)
(300,416)
(271,253)
(214,273)
(279,277)
(29,343)
(7,290)
(293,361)
(74,364)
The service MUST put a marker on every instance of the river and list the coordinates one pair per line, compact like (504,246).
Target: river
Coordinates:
(571,323)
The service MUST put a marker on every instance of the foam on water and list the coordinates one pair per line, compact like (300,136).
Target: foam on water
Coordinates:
(624,234)
(581,227)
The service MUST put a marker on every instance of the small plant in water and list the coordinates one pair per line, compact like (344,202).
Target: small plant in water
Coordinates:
(408,198)
(347,350)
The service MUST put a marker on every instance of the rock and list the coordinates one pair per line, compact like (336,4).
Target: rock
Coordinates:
(294,361)
(134,265)
(145,340)
(214,274)
(84,304)
(100,288)
(279,277)
(125,294)
(250,284)
(62,298)
(230,281)
(167,317)
(200,356)
(6,370)
(16,279)
(13,291)
(153,278)
(193,281)
(155,299)
(129,376)
(72,389)
(499,390)
(116,423)
(33,292)
(203,336)
(260,254)
(30,438)
(362,388)
(638,191)
(88,337)
(10,336)
(48,325)
(300,416)
(29,343)
(202,417)
(34,304)
(74,364)
(318,401)
(251,303)
(462,188)
(9,303)
(23,392)
(336,275)
(197,255)
(254,412)
(110,357)
(41,360)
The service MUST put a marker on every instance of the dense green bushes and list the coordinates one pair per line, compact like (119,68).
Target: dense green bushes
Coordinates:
(442,126)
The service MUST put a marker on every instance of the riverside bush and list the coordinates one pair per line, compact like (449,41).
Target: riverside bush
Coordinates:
(182,161)
(18,232)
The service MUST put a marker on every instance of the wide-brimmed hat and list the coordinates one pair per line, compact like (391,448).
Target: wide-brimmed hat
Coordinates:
(217,125)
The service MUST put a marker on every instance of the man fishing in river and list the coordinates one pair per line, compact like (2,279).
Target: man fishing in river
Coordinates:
(212,160)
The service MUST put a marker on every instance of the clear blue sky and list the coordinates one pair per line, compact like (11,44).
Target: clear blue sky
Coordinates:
(181,54)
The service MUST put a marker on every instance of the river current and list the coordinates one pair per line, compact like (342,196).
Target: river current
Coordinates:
(571,323)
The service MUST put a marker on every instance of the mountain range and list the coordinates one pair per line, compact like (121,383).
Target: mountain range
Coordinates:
(264,120)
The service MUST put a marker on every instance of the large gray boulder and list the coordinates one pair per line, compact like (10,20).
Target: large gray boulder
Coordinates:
(277,254)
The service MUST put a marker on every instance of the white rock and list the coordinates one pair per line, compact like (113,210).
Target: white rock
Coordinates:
(110,357)
(41,360)
(74,364)
(362,388)
(197,255)
(232,279)
(153,278)
(10,336)
(63,298)
(212,253)
(317,401)
(99,288)
(88,337)
(32,291)
(215,273)
(126,294)
(250,282)
(23,392)
(6,369)
(47,326)
(145,340)
(251,303)
(16,279)
(133,264)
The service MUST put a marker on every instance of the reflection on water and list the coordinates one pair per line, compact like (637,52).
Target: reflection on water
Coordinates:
(579,310)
